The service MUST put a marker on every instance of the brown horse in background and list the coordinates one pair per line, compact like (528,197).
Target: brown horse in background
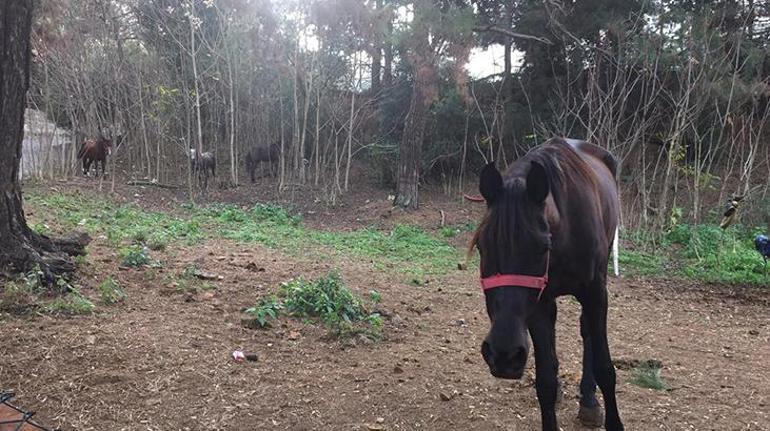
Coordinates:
(550,223)
(95,151)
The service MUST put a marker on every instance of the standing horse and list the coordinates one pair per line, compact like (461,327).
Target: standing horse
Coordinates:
(547,232)
(96,152)
(257,155)
(202,164)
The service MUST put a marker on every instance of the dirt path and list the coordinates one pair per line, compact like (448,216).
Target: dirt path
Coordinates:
(161,360)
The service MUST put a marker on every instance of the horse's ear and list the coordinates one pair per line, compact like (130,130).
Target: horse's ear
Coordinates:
(537,183)
(490,183)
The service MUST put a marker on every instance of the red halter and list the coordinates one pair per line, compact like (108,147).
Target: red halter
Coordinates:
(519,280)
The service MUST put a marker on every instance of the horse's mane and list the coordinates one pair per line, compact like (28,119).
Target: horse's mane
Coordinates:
(507,223)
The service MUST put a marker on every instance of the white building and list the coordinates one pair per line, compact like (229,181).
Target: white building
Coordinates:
(46,147)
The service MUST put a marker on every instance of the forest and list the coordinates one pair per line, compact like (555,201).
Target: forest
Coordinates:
(677,90)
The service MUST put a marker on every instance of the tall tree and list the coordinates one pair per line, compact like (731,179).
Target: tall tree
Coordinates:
(20,248)
(439,33)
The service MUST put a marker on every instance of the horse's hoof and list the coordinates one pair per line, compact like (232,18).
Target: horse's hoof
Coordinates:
(591,417)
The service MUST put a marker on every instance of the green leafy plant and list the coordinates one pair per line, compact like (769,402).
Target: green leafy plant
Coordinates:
(72,303)
(265,310)
(110,291)
(326,299)
(135,256)
(648,376)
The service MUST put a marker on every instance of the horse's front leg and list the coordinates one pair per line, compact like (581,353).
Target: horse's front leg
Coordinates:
(595,309)
(590,413)
(542,330)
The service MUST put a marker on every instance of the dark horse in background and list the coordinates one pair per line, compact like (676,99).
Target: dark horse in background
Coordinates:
(95,151)
(257,155)
(547,232)
(202,164)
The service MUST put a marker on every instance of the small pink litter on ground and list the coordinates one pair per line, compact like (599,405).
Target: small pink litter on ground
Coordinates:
(239,356)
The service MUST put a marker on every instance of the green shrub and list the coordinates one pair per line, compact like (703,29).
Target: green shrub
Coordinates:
(265,310)
(72,303)
(111,292)
(135,256)
(327,299)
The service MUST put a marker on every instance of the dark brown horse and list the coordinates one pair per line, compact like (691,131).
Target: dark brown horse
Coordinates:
(547,232)
(95,151)
(257,155)
(201,165)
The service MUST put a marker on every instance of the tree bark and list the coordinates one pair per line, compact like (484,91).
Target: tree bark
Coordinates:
(424,68)
(21,249)
(410,150)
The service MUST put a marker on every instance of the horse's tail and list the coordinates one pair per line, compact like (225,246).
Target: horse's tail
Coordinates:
(615,252)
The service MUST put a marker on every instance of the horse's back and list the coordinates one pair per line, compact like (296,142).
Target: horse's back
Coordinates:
(603,165)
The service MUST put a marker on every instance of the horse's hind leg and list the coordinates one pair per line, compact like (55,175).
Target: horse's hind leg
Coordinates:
(595,309)
(543,332)
(590,413)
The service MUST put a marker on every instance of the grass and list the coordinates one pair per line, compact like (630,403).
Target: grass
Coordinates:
(700,252)
(135,256)
(405,249)
(647,376)
(121,224)
(696,252)
(326,299)
(187,280)
(72,303)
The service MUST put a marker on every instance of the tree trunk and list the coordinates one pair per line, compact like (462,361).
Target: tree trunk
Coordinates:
(422,62)
(21,249)
(387,73)
(410,150)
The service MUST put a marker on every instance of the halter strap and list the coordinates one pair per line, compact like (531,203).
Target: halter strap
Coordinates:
(519,280)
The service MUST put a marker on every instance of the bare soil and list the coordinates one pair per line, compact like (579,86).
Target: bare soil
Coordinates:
(161,360)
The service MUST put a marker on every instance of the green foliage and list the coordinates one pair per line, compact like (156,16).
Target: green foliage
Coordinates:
(135,256)
(265,310)
(648,376)
(375,296)
(72,303)
(157,242)
(110,291)
(327,299)
(451,231)
(17,297)
(701,252)
(120,224)
(275,227)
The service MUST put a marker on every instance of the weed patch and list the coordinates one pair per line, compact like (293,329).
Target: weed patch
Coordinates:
(135,256)
(110,291)
(73,303)
(326,299)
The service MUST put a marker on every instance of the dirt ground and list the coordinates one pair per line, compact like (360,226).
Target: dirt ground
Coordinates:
(161,360)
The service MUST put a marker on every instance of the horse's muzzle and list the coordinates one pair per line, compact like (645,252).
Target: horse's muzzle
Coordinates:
(505,364)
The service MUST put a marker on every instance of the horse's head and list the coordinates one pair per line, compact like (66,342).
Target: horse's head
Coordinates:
(193,154)
(514,243)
